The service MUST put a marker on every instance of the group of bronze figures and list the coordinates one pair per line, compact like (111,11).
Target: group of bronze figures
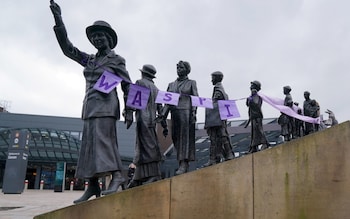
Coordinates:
(99,155)
(292,128)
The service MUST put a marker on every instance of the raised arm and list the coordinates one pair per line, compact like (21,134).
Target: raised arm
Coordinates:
(56,12)
(61,34)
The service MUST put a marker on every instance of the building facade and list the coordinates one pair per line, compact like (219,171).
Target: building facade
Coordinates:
(56,139)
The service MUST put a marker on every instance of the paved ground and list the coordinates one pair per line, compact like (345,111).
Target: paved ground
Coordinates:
(34,202)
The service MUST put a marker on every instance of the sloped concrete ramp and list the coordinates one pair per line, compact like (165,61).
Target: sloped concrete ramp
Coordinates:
(306,178)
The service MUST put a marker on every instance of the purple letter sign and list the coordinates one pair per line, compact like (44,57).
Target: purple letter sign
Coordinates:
(228,109)
(202,102)
(138,96)
(107,82)
(168,98)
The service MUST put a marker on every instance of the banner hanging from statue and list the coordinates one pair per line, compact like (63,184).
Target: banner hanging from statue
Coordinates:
(228,109)
(202,102)
(167,98)
(278,103)
(138,96)
(107,82)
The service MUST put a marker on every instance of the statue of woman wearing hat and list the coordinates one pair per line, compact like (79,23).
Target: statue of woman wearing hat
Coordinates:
(286,122)
(309,110)
(254,103)
(99,155)
(147,152)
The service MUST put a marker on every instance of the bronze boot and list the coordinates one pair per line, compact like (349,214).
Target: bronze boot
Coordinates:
(264,146)
(253,149)
(212,156)
(93,189)
(117,180)
(209,163)
(133,183)
(228,152)
(183,167)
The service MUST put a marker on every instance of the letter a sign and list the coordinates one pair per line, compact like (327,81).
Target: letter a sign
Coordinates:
(138,96)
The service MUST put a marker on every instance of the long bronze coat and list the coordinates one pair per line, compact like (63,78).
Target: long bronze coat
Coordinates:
(147,145)
(212,116)
(183,124)
(99,150)
(258,137)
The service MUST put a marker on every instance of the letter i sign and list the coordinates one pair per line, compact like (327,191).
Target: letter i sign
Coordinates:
(228,109)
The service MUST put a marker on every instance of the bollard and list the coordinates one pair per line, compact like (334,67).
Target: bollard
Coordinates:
(86,185)
(25,184)
(71,185)
(41,184)
(108,180)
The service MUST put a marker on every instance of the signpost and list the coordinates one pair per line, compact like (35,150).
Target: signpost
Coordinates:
(60,179)
(16,163)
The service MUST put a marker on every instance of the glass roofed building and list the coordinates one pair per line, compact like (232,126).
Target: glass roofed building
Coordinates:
(57,139)
(53,139)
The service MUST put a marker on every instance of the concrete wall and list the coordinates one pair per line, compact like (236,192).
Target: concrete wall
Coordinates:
(306,178)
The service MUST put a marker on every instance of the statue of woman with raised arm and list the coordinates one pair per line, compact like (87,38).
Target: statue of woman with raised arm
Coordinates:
(99,155)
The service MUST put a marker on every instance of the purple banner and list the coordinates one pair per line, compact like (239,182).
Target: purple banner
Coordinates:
(202,102)
(228,109)
(107,82)
(138,96)
(168,98)
(279,104)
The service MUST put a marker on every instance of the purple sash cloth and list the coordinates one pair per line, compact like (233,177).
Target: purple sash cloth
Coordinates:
(279,104)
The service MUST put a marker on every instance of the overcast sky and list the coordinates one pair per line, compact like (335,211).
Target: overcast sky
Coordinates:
(303,44)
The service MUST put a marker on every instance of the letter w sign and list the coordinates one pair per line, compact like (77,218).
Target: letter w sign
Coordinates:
(107,82)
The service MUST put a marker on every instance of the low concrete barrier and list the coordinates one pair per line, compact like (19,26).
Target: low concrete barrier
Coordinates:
(306,178)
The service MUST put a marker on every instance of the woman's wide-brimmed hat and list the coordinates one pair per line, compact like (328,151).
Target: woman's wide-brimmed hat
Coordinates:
(217,73)
(150,70)
(257,85)
(102,26)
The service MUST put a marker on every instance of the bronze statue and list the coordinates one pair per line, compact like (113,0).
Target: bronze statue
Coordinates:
(254,103)
(299,124)
(147,153)
(183,116)
(286,122)
(99,155)
(331,121)
(220,144)
(311,109)
(315,112)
